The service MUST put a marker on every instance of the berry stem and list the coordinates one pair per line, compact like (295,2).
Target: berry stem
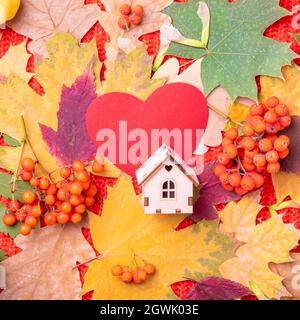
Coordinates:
(15,176)
(65,166)
(222,114)
(240,165)
(24,140)
(27,140)
(125,23)
(134,260)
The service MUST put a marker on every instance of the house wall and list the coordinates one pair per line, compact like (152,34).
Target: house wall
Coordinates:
(2,277)
(184,190)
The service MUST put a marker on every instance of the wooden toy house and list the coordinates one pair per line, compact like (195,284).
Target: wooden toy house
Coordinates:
(2,277)
(167,183)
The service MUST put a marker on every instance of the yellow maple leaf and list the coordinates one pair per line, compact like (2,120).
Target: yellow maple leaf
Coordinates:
(286,184)
(15,62)
(239,218)
(287,89)
(221,111)
(8,157)
(131,74)
(109,169)
(17,98)
(237,113)
(175,254)
(271,241)
(54,72)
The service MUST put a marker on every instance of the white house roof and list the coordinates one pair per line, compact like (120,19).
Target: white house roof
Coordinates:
(159,157)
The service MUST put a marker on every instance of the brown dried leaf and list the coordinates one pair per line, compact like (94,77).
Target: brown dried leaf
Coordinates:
(271,241)
(290,272)
(127,40)
(44,269)
(40,20)
(286,88)
(239,218)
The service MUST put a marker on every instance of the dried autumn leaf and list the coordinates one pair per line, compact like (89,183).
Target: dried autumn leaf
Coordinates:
(152,237)
(9,141)
(2,278)
(153,19)
(232,112)
(15,62)
(291,214)
(2,257)
(182,288)
(238,112)
(297,36)
(214,288)
(271,241)
(40,20)
(220,99)
(170,69)
(239,218)
(5,186)
(17,98)
(13,231)
(64,47)
(290,273)
(291,163)
(286,89)
(45,267)
(131,74)
(211,194)
(71,141)
(9,157)
(286,184)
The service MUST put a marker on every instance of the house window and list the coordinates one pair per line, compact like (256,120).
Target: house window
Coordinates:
(168,190)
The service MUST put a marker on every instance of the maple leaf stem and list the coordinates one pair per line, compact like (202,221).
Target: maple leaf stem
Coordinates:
(158,61)
(16,173)
(24,140)
(194,43)
(187,63)
(222,114)
(87,262)
(27,140)
(100,256)
(15,176)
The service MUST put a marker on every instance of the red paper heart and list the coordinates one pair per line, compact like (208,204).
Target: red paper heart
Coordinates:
(173,106)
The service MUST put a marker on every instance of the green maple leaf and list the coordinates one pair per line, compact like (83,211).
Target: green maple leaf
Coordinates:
(5,186)
(2,255)
(13,231)
(237,50)
(297,36)
(10,141)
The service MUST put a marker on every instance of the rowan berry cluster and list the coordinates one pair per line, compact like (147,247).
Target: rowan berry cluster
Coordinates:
(130,16)
(254,149)
(62,202)
(136,275)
